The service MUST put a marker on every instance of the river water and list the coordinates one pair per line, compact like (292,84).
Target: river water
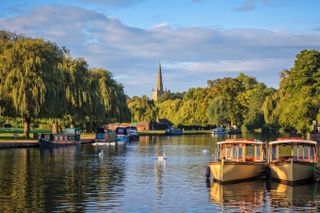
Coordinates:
(131,179)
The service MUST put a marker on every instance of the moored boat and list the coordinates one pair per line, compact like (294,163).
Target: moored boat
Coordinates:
(69,137)
(173,131)
(105,137)
(238,160)
(133,133)
(292,160)
(218,131)
(122,135)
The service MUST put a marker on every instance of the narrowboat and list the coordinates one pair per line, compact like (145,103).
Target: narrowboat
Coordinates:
(133,133)
(218,131)
(105,137)
(238,160)
(69,137)
(173,131)
(292,160)
(122,135)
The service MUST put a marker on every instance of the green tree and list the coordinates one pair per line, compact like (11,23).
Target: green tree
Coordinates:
(297,100)
(30,77)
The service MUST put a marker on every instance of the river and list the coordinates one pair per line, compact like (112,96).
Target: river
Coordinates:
(131,179)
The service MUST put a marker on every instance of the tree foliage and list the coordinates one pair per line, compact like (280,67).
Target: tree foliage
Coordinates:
(40,80)
(296,103)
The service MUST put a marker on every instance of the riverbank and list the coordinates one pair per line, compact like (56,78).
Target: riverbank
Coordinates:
(7,142)
(23,143)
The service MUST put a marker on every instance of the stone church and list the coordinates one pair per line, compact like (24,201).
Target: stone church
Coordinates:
(158,92)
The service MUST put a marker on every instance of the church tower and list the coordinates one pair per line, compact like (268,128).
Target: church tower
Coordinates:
(156,94)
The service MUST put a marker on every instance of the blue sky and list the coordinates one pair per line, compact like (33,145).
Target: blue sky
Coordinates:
(196,40)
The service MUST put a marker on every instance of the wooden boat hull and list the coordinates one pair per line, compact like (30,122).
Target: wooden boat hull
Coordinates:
(106,137)
(292,172)
(122,138)
(230,172)
(43,143)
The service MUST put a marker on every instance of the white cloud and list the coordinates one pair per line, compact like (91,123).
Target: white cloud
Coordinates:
(254,65)
(191,54)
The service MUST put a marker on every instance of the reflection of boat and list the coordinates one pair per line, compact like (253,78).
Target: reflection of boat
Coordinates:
(105,137)
(292,160)
(69,137)
(133,133)
(238,160)
(122,134)
(173,131)
(286,196)
(218,131)
(241,197)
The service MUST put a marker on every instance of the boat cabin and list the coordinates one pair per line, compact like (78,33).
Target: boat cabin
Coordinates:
(241,150)
(296,149)
(67,135)
(121,131)
(132,130)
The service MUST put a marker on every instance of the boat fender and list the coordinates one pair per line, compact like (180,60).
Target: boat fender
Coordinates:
(207,172)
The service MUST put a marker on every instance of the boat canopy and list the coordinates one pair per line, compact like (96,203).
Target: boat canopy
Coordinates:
(241,150)
(241,141)
(296,149)
(292,140)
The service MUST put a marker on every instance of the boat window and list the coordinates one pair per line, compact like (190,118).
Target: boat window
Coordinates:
(240,151)
(306,152)
(229,151)
(258,154)
(249,152)
(285,152)
(311,153)
(295,152)
(235,152)
(274,153)
(300,151)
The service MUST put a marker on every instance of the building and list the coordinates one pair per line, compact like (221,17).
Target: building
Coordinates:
(156,94)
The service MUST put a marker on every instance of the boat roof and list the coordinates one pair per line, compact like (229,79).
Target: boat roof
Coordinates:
(292,140)
(241,141)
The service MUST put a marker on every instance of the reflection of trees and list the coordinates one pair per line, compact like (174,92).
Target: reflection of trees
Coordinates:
(65,179)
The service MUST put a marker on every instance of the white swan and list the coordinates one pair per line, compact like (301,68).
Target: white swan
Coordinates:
(163,157)
(205,151)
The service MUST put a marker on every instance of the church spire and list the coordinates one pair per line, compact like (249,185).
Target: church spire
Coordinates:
(159,82)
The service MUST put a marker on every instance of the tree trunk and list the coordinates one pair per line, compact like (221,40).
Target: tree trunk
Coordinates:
(26,129)
(55,125)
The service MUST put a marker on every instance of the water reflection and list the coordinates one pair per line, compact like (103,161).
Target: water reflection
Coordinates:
(130,179)
(241,197)
(63,179)
(303,197)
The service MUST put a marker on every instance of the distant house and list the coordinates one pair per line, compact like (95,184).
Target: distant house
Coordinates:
(161,124)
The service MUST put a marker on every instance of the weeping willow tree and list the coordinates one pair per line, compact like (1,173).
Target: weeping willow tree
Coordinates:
(40,80)
(30,77)
(112,97)
(93,97)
